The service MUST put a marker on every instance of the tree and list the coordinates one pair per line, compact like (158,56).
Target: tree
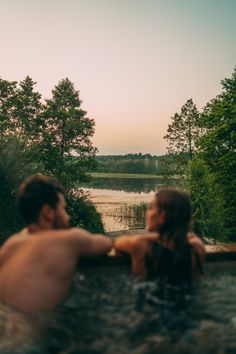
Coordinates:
(27,111)
(66,147)
(218,146)
(183,132)
(7,101)
(54,139)
(208,214)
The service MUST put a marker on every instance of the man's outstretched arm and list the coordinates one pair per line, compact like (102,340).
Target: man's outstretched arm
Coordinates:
(90,245)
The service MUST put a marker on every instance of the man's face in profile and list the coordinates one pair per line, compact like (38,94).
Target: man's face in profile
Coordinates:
(61,217)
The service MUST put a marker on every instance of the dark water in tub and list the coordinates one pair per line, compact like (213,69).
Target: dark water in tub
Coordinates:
(107,312)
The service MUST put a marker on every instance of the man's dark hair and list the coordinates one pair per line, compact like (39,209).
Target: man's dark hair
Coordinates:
(34,192)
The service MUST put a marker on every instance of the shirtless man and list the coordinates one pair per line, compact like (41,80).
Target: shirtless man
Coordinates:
(37,264)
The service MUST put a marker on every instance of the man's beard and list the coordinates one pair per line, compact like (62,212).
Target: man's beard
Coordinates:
(59,224)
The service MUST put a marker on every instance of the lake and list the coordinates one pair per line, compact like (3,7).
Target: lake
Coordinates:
(110,195)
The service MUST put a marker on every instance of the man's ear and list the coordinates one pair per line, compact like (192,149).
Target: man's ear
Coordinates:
(47,212)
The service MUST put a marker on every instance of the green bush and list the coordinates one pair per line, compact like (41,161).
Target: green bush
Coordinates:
(83,212)
(208,216)
(14,166)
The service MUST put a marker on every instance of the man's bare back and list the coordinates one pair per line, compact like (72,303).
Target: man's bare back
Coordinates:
(37,265)
(36,269)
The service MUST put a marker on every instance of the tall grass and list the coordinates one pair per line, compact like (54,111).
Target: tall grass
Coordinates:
(133,214)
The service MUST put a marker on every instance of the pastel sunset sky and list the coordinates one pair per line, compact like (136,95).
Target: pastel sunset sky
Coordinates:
(135,62)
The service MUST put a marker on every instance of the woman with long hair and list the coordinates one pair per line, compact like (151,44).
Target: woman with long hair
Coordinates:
(170,253)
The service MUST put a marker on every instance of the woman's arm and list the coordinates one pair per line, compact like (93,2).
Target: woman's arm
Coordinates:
(124,244)
(198,245)
(198,255)
(136,247)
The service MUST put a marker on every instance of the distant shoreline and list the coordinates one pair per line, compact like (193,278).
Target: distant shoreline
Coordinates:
(124,175)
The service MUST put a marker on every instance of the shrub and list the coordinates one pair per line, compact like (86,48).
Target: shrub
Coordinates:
(14,166)
(83,212)
(206,200)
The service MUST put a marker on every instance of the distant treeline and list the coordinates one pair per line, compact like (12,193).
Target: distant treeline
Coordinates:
(136,163)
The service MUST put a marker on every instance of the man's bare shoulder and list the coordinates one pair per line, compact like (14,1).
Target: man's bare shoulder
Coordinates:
(67,239)
(12,244)
(15,239)
(70,235)
(26,237)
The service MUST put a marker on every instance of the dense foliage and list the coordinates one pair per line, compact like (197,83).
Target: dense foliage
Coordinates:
(218,147)
(83,212)
(16,161)
(211,177)
(208,213)
(51,137)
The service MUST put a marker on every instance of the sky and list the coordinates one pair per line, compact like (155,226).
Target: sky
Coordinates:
(135,62)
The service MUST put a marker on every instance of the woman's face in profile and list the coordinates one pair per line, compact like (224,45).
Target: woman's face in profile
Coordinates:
(155,217)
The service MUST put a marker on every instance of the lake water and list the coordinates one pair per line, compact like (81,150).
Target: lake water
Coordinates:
(110,194)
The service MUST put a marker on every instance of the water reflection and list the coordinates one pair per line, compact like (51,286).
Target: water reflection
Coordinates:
(135,185)
(120,200)
(110,202)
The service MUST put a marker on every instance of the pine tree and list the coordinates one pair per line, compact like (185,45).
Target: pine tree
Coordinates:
(27,111)
(67,149)
(183,132)
(7,101)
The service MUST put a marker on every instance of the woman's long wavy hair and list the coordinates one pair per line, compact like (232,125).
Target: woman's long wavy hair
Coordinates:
(176,205)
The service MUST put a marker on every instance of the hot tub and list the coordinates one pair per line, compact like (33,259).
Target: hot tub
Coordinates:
(107,312)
